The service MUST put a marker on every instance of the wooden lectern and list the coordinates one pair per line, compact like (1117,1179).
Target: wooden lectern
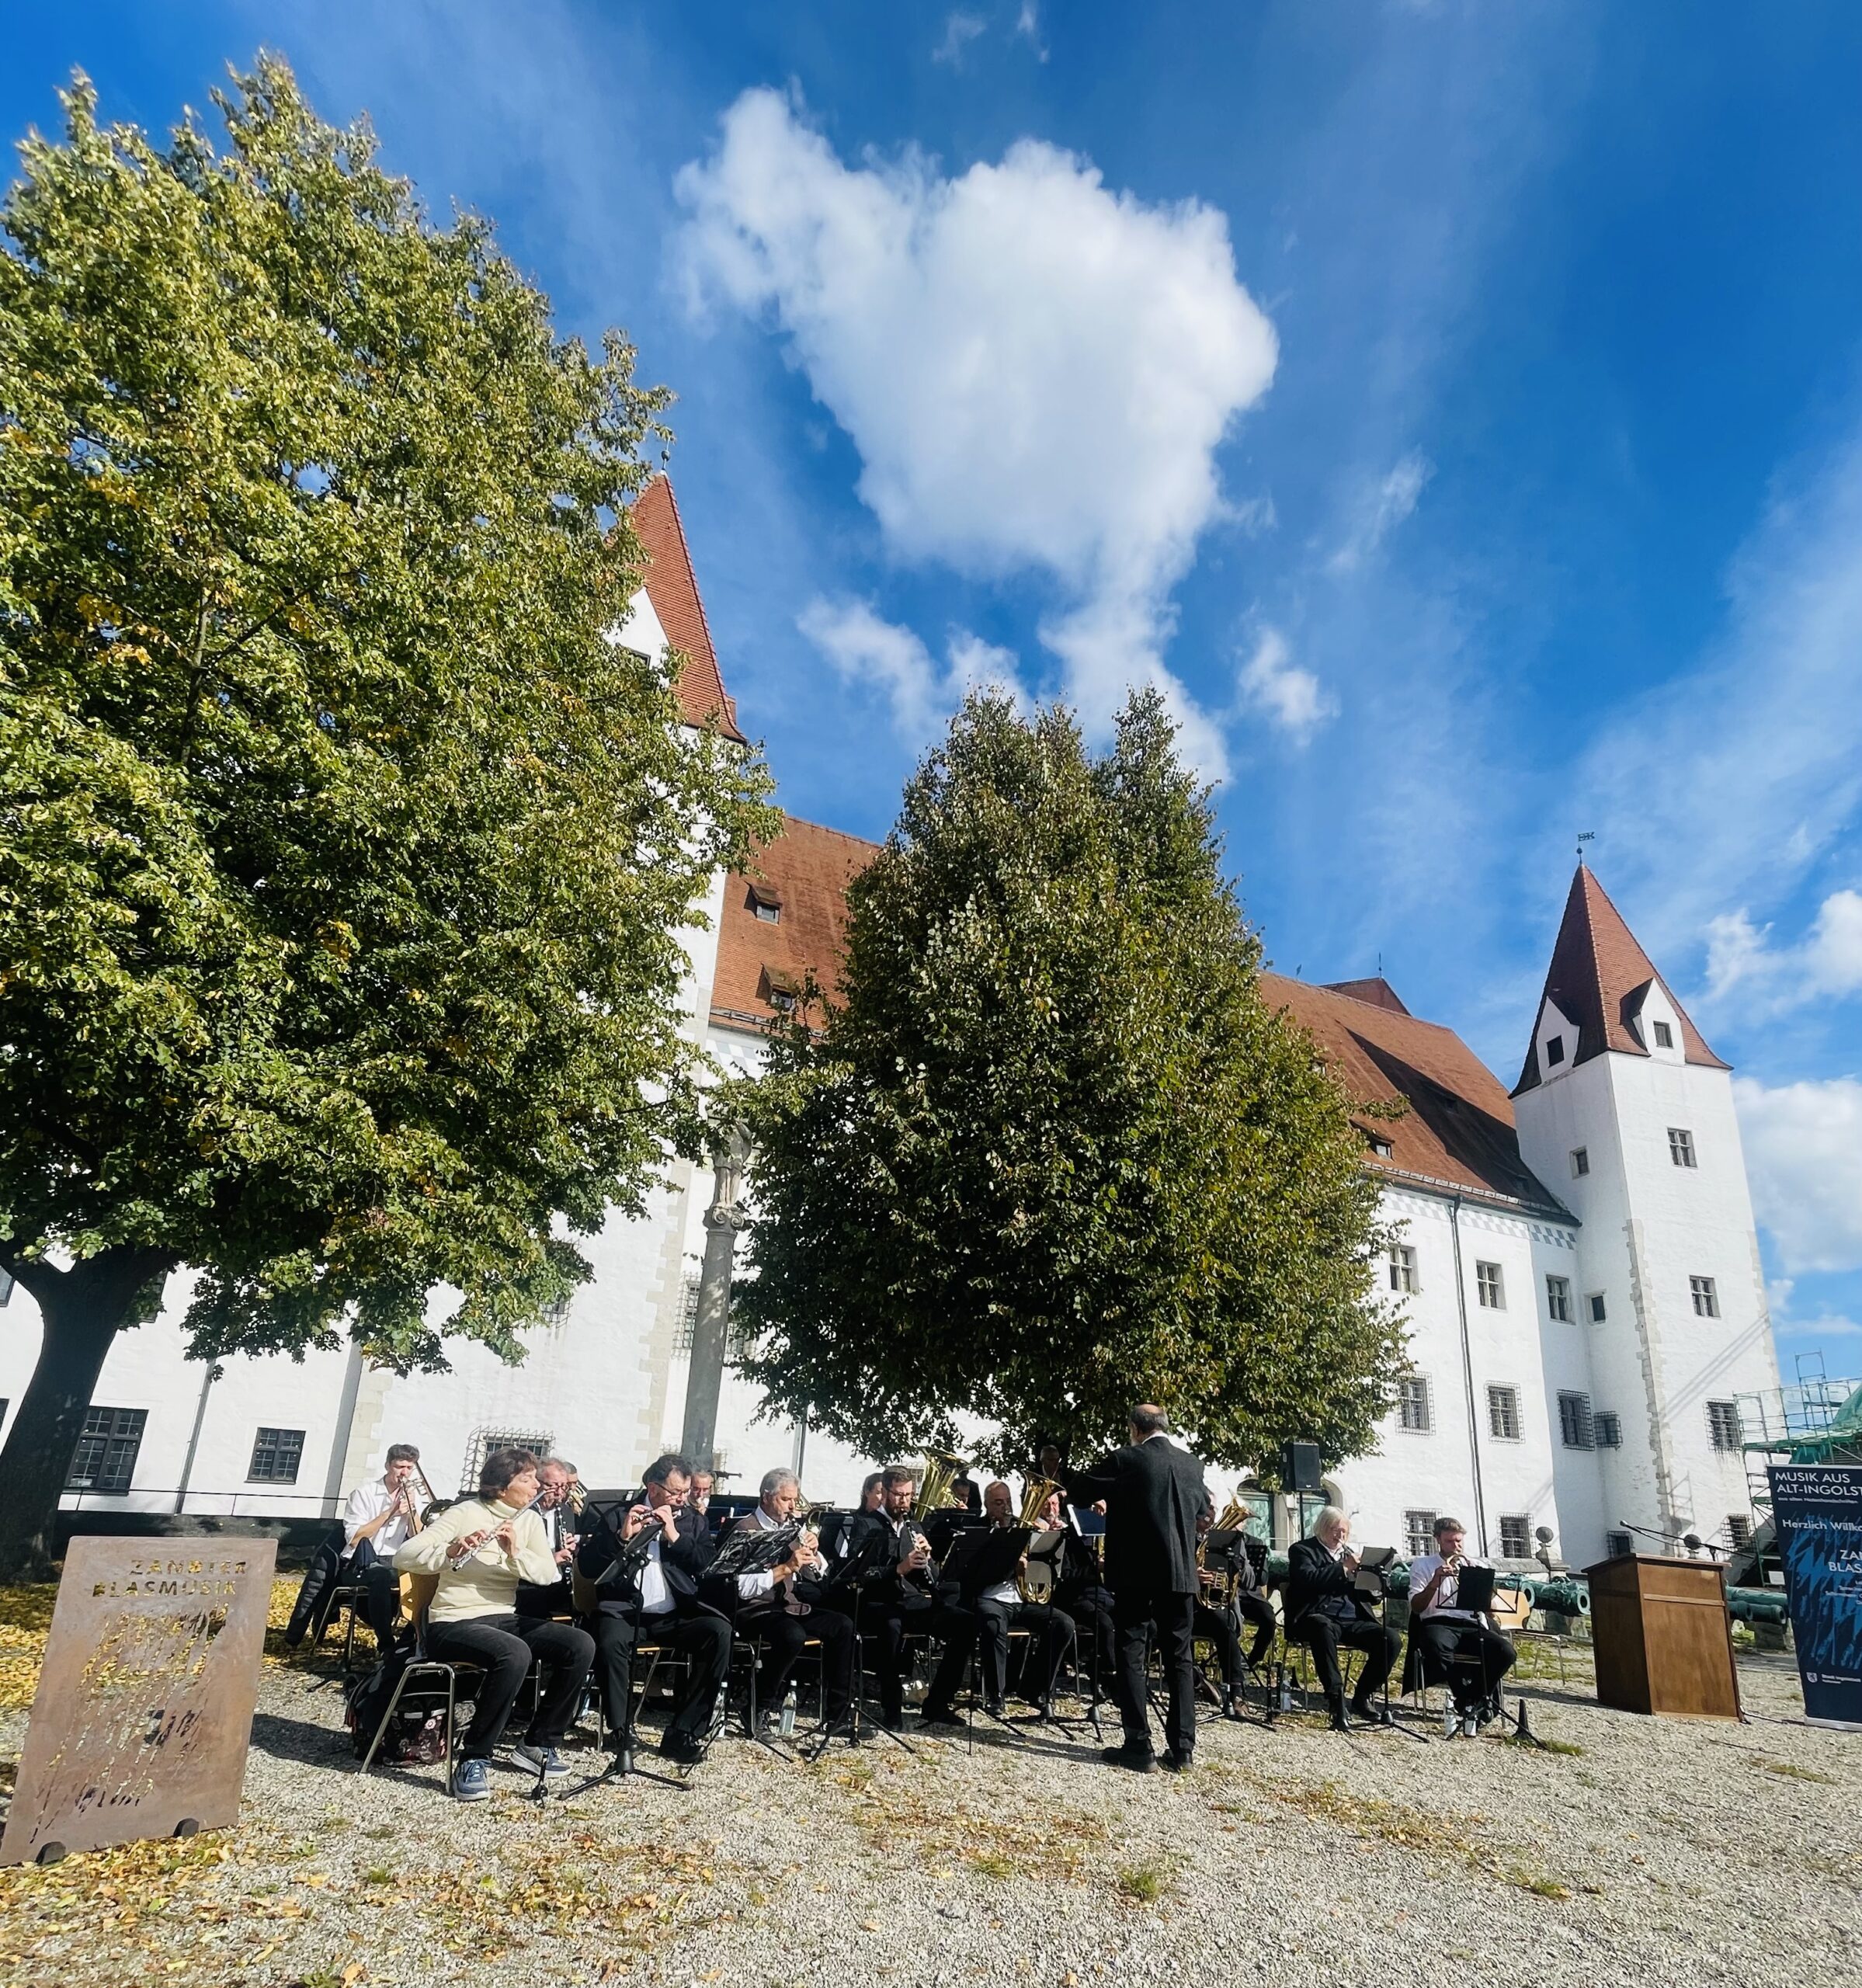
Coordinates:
(1663,1637)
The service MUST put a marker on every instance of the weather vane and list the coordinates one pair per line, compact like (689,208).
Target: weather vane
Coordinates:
(1589,834)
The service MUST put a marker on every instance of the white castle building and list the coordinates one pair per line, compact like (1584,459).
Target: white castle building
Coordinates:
(1577,1264)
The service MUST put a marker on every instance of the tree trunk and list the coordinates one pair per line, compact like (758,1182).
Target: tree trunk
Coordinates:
(83,1308)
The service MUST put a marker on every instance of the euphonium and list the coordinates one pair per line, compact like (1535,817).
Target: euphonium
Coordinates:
(1039,1491)
(941,1467)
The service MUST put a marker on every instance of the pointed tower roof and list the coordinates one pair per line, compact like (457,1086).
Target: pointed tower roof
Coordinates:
(672,588)
(1598,977)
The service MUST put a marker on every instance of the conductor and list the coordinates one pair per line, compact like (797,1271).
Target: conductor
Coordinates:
(1153,1492)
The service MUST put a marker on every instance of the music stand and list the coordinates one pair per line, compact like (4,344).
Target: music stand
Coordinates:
(982,1557)
(1048,1548)
(869,1553)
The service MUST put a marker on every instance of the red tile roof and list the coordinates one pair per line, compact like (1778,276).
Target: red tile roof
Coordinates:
(1599,976)
(1458,1133)
(807,870)
(672,588)
(1377,991)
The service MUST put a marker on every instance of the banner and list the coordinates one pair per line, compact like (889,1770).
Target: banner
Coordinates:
(1818,1510)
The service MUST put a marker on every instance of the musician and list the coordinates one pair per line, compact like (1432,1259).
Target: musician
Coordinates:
(700,1499)
(1324,1609)
(654,1598)
(842,1532)
(780,1608)
(481,1549)
(1000,1608)
(560,1521)
(901,1598)
(963,1493)
(1079,1590)
(1215,1620)
(1250,1605)
(1152,1491)
(1444,1631)
(377,1519)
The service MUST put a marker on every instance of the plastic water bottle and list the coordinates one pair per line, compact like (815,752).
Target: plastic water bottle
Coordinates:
(785,1724)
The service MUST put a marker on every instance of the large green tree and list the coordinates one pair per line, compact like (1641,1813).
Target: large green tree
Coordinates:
(342,857)
(1049,1150)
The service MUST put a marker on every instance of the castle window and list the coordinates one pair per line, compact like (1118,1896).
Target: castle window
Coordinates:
(1618,1546)
(1706,1297)
(1557,1299)
(1554,1049)
(1490,1286)
(483,1441)
(1574,1427)
(1738,1530)
(1403,1270)
(1606,1428)
(1503,1413)
(1723,1425)
(765,903)
(1680,1146)
(1413,1403)
(1594,1300)
(1516,1536)
(685,1332)
(105,1459)
(1419,1532)
(1580,1161)
(1665,1036)
(277,1453)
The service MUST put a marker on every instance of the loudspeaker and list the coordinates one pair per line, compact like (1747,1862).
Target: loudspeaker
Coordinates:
(1300,1468)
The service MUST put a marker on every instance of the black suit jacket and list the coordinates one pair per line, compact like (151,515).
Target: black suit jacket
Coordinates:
(683,1559)
(1154,1493)
(1316,1581)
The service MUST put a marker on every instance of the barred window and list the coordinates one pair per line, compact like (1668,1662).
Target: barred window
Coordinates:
(1413,1408)
(1503,1413)
(1738,1530)
(540,1442)
(685,1332)
(1557,1298)
(1490,1285)
(1706,1297)
(1618,1546)
(1419,1532)
(105,1459)
(1574,1425)
(1403,1270)
(1516,1536)
(1723,1424)
(276,1454)
(1680,1146)
(1606,1427)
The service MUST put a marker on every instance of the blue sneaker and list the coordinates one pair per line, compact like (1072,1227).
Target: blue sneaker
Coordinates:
(545,1761)
(473,1781)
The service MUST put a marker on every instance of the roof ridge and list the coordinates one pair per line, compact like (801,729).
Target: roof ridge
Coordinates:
(1375,1007)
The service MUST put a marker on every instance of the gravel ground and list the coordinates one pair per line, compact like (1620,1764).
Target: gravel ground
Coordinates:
(1642,1850)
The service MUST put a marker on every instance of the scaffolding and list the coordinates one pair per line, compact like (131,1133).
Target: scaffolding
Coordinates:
(1814,1420)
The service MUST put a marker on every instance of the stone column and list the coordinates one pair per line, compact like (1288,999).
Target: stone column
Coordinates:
(711,1330)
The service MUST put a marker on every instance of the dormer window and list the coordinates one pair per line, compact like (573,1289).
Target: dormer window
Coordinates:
(1665,1036)
(765,903)
(781,988)
(1378,1140)
(1554,1049)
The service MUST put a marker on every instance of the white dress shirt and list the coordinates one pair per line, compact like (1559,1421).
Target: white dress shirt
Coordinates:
(1422,1571)
(369,1501)
(760,1587)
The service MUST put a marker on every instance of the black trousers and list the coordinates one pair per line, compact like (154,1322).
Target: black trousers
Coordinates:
(703,1639)
(889,1622)
(505,1644)
(1217,1626)
(781,1636)
(1257,1611)
(381,1590)
(1051,1631)
(1485,1658)
(1091,1608)
(1135,1618)
(1323,1634)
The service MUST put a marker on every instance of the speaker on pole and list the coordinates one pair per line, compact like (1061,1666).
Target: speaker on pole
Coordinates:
(1300,1468)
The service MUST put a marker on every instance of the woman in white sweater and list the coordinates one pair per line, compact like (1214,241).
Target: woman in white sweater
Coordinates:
(481,1549)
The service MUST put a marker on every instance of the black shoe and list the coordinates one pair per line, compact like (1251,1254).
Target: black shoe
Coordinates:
(682,1748)
(1140,1760)
(1368,1715)
(1172,1762)
(1231,1706)
(994,1708)
(1335,1709)
(940,1715)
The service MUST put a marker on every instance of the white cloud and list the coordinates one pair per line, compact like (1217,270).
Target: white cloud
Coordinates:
(1036,371)
(1804,1157)
(960,30)
(866,649)
(1828,962)
(1381,509)
(1028,25)
(1785,1324)
(1290,698)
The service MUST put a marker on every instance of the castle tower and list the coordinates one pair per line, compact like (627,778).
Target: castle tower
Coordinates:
(1625,1111)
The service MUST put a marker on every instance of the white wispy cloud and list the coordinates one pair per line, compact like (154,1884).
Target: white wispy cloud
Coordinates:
(1289,697)
(1826,961)
(1804,1157)
(1781,1303)
(1028,25)
(1036,371)
(867,650)
(1382,508)
(960,29)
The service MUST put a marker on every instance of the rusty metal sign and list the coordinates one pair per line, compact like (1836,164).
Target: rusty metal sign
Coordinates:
(144,1705)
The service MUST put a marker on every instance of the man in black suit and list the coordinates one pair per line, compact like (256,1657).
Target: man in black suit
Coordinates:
(1325,1609)
(655,1599)
(1153,1492)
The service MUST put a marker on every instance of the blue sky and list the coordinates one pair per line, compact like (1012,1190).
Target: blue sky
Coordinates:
(1457,407)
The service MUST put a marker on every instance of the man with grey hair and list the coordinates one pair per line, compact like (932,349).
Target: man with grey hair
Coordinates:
(1324,1608)
(781,1610)
(556,1487)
